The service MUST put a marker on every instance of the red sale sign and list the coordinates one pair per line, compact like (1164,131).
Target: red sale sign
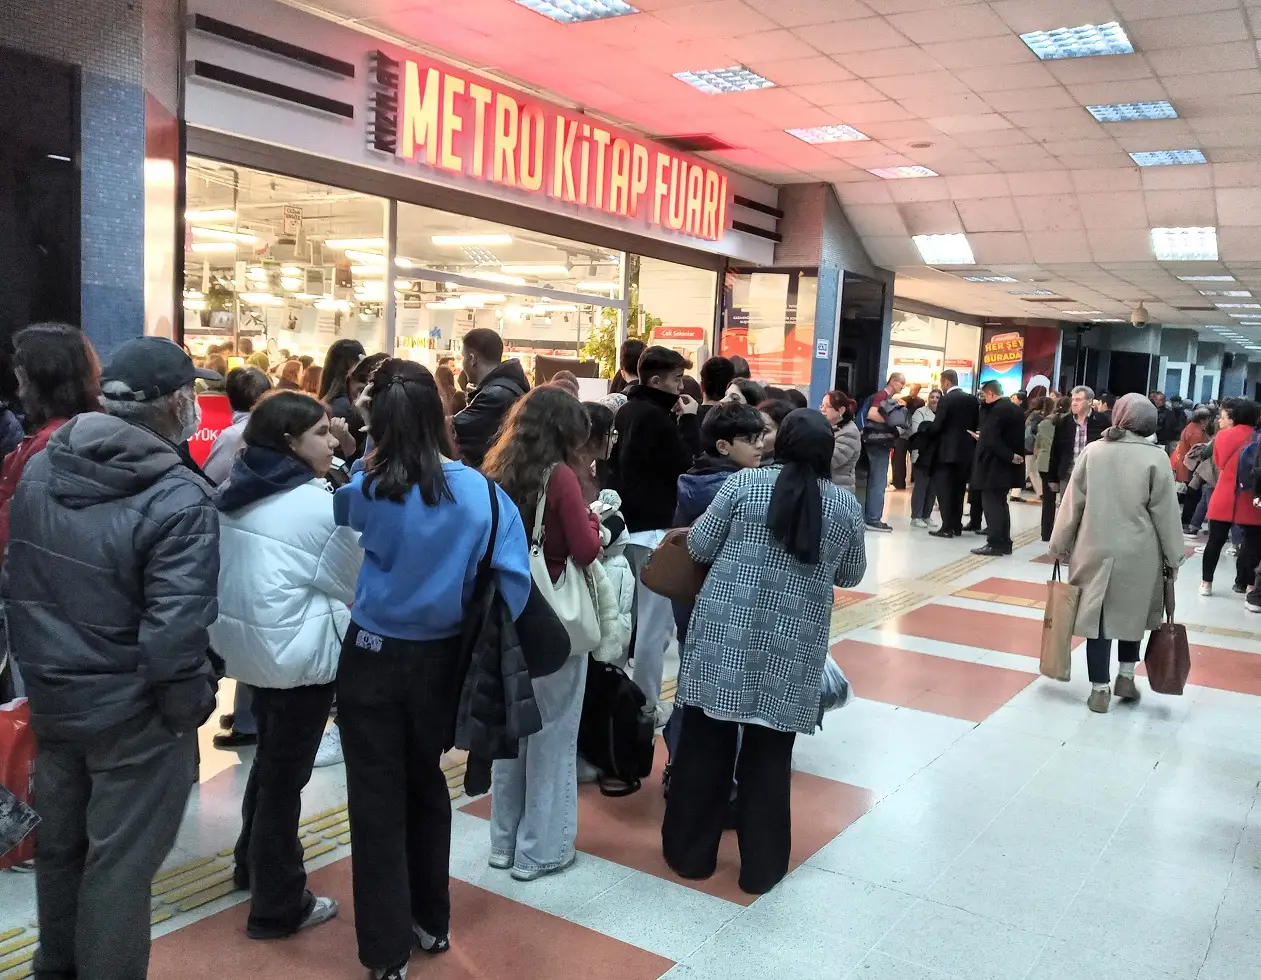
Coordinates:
(216,415)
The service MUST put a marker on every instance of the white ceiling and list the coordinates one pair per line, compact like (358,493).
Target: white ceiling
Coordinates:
(1045,193)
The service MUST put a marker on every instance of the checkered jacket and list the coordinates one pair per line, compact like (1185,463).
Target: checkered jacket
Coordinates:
(759,631)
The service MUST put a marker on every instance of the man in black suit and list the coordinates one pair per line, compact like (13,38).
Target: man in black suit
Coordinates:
(957,416)
(1000,461)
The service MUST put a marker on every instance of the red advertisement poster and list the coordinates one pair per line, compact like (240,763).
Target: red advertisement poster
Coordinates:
(216,415)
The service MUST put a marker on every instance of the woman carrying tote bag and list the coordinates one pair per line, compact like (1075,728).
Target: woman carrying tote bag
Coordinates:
(534,811)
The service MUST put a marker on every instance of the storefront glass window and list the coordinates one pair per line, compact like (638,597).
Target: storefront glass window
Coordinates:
(770,323)
(921,347)
(674,307)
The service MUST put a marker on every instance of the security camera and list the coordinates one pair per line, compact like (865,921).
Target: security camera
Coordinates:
(1139,317)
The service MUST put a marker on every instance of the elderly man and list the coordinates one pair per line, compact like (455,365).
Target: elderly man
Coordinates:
(885,420)
(111,583)
(1073,433)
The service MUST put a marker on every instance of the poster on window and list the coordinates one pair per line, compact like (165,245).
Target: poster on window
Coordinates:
(1003,360)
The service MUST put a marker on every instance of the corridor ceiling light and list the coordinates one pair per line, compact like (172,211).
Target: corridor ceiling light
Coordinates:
(989,279)
(404,285)
(902,173)
(344,243)
(213,247)
(1238,306)
(210,214)
(495,239)
(577,11)
(1225,292)
(214,234)
(1109,319)
(838,133)
(291,283)
(944,249)
(365,258)
(1243,316)
(1081,312)
(1167,158)
(1185,244)
(1085,41)
(257,273)
(1030,292)
(554,269)
(290,270)
(1132,111)
(495,277)
(1206,278)
(720,81)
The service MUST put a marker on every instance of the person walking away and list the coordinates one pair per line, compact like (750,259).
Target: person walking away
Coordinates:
(912,403)
(1231,503)
(657,439)
(755,650)
(958,415)
(1042,459)
(1082,427)
(534,803)
(286,580)
(497,383)
(244,387)
(847,443)
(716,376)
(1118,530)
(110,584)
(923,451)
(1195,433)
(628,365)
(1000,466)
(425,523)
(884,420)
(1039,409)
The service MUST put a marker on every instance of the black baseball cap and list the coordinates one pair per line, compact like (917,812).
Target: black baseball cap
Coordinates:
(152,367)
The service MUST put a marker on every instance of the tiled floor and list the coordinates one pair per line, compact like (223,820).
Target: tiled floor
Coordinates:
(962,819)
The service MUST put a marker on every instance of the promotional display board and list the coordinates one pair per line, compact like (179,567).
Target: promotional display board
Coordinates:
(216,415)
(1002,360)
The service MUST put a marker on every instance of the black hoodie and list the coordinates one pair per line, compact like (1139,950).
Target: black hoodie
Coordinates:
(654,448)
(477,426)
(258,473)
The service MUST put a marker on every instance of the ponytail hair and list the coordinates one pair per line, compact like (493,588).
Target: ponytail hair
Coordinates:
(409,433)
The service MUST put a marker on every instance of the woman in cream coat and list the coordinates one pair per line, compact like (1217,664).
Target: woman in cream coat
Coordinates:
(1120,528)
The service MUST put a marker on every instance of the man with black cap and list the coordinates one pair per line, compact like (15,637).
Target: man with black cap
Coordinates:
(111,582)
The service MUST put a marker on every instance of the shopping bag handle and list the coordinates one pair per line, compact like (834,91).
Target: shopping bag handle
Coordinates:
(1169,595)
(1055,571)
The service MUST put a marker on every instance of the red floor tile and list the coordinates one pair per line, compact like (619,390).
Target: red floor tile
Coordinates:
(492,937)
(628,830)
(1226,670)
(1009,587)
(936,684)
(969,628)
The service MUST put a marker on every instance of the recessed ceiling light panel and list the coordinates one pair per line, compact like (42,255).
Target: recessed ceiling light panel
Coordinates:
(901,173)
(1081,312)
(1225,292)
(1030,292)
(1086,41)
(720,81)
(838,133)
(576,11)
(944,249)
(989,279)
(1185,244)
(1206,278)
(1238,306)
(1132,111)
(1167,158)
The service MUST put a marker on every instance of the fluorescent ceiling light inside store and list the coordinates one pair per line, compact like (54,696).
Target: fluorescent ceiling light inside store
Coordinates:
(259,299)
(989,279)
(599,285)
(1242,316)
(1030,292)
(1206,278)
(1086,41)
(341,305)
(213,247)
(576,11)
(210,214)
(902,173)
(533,270)
(214,234)
(1168,158)
(944,249)
(497,239)
(838,133)
(719,81)
(345,243)
(1185,244)
(367,270)
(367,258)
(1132,111)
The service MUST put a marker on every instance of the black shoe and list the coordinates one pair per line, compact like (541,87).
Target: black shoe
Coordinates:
(1239,589)
(943,533)
(227,721)
(989,551)
(234,740)
(433,945)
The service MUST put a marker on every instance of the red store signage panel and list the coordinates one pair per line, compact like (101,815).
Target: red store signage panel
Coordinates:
(439,117)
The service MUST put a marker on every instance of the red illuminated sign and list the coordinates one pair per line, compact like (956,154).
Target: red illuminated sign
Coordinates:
(427,112)
(216,415)
(695,335)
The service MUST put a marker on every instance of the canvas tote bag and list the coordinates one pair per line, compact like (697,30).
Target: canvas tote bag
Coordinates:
(570,597)
(1168,656)
(1058,622)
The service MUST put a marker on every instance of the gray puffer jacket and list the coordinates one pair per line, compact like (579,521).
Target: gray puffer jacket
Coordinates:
(845,453)
(111,581)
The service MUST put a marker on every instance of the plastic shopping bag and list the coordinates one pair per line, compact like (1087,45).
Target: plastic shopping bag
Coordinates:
(17,772)
(834,688)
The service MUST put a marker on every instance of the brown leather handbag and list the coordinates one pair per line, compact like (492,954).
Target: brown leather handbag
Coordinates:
(1168,656)
(671,571)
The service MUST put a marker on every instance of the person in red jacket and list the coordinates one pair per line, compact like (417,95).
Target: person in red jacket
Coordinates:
(1230,505)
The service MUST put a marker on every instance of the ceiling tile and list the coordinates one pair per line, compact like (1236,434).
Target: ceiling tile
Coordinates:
(901,60)
(906,6)
(959,104)
(780,45)
(908,86)
(931,218)
(989,214)
(799,13)
(1029,100)
(1216,27)
(845,37)
(870,112)
(1120,245)
(1180,208)
(892,252)
(1242,244)
(1117,67)
(721,18)
(1053,212)
(838,93)
(904,131)
(998,137)
(1008,50)
(1057,246)
(1107,93)
(1214,84)
(977,188)
(876,219)
(1000,246)
(919,189)
(800,71)
(1237,174)
(1023,16)
(1086,148)
(779,106)
(1001,78)
(1192,59)
(950,24)
(1176,178)
(873,192)
(1239,206)
(981,123)
(1025,156)
(1123,209)
(1105,180)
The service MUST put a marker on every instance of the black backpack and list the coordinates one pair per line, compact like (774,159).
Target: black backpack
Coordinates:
(616,731)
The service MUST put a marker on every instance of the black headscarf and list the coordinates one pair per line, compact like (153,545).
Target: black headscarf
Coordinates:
(804,447)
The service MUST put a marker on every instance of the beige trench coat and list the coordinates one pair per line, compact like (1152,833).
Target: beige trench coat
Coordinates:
(1119,525)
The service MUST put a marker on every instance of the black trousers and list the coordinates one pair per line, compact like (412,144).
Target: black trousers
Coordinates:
(396,710)
(1099,657)
(899,464)
(1048,507)
(268,852)
(950,483)
(976,509)
(700,788)
(1246,558)
(1190,501)
(997,518)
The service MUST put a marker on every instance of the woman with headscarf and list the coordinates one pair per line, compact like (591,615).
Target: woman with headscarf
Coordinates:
(755,649)
(1119,528)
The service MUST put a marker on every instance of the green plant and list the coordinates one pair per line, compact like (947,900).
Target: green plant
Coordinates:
(601,344)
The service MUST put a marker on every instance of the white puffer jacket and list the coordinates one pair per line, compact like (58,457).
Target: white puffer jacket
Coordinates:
(287,578)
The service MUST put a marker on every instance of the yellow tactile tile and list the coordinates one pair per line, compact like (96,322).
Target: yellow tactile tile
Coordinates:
(16,944)
(186,867)
(202,898)
(315,850)
(16,961)
(198,886)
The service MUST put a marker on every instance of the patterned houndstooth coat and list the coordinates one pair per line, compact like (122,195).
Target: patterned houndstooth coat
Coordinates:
(759,631)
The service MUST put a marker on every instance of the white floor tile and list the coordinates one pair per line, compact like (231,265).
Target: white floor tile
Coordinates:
(961,944)
(856,912)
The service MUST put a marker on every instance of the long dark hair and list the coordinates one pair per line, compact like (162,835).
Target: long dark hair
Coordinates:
(409,435)
(62,376)
(281,414)
(341,357)
(545,428)
(803,446)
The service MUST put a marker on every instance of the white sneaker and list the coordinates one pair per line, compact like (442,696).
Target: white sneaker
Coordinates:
(931,524)
(918,522)
(1232,551)
(1206,588)
(322,909)
(330,750)
(661,714)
